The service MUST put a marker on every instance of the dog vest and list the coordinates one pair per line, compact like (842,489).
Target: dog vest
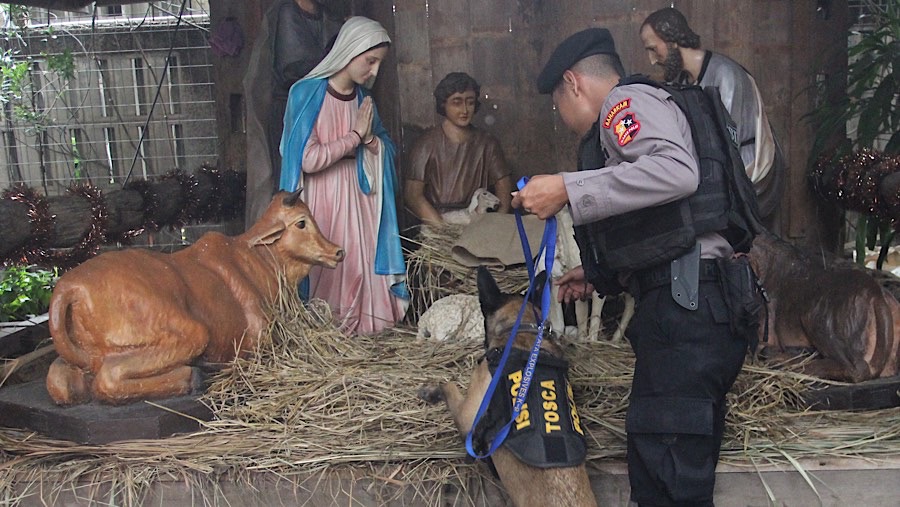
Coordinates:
(548,431)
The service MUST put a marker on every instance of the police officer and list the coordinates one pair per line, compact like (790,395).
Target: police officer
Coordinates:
(637,171)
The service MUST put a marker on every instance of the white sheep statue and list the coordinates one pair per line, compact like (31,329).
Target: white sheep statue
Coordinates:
(482,202)
(456,317)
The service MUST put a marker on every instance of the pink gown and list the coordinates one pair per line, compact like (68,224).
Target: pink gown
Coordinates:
(360,299)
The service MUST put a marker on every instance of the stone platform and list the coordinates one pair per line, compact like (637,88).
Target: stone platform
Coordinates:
(29,407)
(869,395)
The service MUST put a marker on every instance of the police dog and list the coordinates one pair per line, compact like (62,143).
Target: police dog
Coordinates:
(525,484)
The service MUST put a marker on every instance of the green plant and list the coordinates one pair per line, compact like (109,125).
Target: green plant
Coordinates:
(25,291)
(32,85)
(864,101)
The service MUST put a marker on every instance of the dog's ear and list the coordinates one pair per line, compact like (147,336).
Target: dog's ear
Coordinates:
(489,294)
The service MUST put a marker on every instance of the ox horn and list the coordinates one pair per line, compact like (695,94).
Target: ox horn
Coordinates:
(291,199)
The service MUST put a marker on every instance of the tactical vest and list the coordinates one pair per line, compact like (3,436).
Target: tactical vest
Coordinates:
(651,236)
(548,431)
(596,270)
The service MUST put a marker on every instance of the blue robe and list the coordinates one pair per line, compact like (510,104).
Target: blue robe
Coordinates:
(304,103)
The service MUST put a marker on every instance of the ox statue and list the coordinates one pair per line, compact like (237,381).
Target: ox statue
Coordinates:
(828,305)
(131,324)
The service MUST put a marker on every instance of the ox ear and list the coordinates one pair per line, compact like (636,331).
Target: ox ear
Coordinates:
(268,234)
(291,199)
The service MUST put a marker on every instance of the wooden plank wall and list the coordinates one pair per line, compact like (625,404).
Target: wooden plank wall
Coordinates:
(504,44)
(228,74)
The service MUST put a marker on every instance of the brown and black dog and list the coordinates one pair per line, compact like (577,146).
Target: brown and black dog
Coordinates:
(525,484)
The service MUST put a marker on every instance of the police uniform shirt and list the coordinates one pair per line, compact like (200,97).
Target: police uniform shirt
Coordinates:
(650,162)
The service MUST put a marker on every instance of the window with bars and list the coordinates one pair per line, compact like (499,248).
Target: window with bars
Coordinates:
(861,10)
(140,102)
(140,10)
(91,125)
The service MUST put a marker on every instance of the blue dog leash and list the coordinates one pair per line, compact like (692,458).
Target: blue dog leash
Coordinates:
(548,246)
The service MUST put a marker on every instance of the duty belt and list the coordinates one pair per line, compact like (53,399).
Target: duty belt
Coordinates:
(662,275)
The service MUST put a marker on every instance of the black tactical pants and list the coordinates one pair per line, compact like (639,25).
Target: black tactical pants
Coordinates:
(686,361)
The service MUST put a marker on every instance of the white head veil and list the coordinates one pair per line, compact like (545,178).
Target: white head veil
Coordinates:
(358,35)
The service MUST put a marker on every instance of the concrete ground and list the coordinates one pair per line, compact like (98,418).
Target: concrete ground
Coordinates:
(831,483)
(828,483)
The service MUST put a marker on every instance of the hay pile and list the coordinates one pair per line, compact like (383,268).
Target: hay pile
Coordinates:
(433,273)
(313,404)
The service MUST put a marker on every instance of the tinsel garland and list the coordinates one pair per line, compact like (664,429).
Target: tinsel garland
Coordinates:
(149,207)
(40,220)
(854,182)
(90,243)
(191,200)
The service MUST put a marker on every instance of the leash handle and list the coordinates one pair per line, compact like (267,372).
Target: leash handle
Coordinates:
(526,247)
(548,247)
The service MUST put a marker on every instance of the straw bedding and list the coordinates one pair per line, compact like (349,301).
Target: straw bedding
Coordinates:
(312,404)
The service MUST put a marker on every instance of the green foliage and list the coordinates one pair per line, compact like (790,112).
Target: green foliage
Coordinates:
(15,76)
(16,84)
(63,64)
(869,94)
(76,158)
(18,14)
(27,101)
(25,291)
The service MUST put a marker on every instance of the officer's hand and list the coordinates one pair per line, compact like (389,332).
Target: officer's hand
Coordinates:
(544,195)
(573,286)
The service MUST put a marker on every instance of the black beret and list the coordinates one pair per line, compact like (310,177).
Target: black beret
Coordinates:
(593,41)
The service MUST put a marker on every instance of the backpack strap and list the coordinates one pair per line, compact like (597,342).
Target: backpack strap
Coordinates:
(639,79)
(747,203)
(704,105)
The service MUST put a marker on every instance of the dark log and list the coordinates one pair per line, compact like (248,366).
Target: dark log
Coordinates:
(874,394)
(125,211)
(15,228)
(180,199)
(171,201)
(72,220)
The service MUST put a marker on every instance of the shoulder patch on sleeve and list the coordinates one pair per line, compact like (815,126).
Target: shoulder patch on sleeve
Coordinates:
(615,110)
(627,128)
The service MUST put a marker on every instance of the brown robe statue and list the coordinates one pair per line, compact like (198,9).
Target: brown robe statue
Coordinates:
(452,172)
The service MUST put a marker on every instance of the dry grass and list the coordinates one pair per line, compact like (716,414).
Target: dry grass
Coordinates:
(433,272)
(312,405)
